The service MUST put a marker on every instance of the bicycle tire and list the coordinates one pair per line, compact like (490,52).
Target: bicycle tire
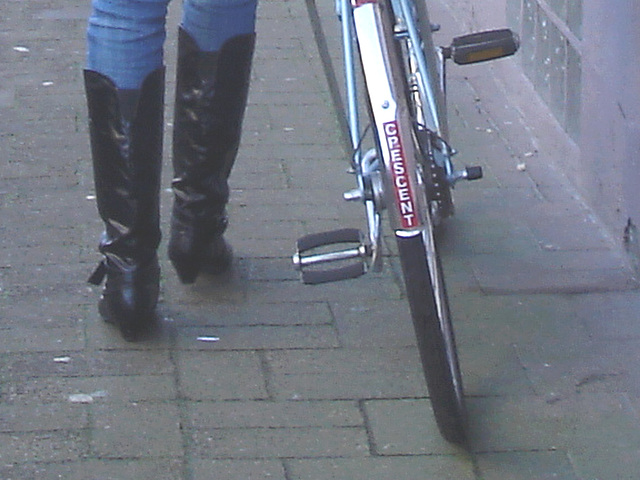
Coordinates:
(428,302)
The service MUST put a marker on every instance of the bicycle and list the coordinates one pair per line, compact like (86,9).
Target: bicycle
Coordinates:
(408,171)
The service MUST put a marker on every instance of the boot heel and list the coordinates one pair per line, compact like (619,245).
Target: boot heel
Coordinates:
(187,271)
(130,297)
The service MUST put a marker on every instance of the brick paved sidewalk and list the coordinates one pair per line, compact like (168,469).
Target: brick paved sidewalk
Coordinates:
(304,382)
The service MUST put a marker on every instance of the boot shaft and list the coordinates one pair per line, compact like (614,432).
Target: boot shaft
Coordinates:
(126,129)
(211,96)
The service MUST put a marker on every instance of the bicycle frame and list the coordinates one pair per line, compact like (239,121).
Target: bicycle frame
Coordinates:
(410,171)
(363,25)
(346,10)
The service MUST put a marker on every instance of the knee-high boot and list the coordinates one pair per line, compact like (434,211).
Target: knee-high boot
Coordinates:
(126,128)
(211,96)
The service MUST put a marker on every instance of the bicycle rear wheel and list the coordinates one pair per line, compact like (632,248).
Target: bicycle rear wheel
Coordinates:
(428,301)
(407,183)
(421,265)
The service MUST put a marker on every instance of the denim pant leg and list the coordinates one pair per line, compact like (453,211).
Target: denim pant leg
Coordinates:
(212,22)
(125,39)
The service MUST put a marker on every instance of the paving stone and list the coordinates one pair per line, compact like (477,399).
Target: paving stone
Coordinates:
(44,311)
(132,430)
(381,468)
(99,333)
(279,414)
(508,318)
(526,466)
(534,423)
(380,324)
(606,461)
(30,447)
(558,371)
(36,418)
(271,269)
(259,443)
(495,237)
(229,289)
(258,337)
(251,313)
(204,469)
(103,389)
(221,376)
(40,256)
(611,316)
(499,274)
(117,469)
(136,362)
(58,339)
(493,369)
(366,289)
(405,427)
(345,374)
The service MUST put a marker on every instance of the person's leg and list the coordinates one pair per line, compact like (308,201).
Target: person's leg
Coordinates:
(212,22)
(124,83)
(125,39)
(215,50)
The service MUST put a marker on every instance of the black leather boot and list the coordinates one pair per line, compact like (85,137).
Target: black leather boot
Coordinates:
(211,96)
(126,128)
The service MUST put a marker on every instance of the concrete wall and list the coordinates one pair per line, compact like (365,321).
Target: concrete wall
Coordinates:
(610,115)
(583,58)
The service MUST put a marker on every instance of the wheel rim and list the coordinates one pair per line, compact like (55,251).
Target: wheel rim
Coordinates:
(442,307)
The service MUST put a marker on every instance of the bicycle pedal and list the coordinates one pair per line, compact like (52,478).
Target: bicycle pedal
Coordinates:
(482,46)
(469,173)
(473,173)
(307,263)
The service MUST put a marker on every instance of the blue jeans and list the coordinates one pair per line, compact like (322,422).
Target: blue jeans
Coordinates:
(126,37)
